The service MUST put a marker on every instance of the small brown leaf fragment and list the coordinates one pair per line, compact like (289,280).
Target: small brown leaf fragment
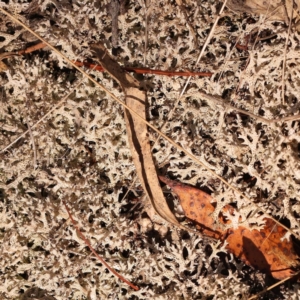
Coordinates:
(198,211)
(262,249)
(3,66)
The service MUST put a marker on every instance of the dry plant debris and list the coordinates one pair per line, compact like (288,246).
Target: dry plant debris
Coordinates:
(79,152)
(41,45)
(135,98)
(263,249)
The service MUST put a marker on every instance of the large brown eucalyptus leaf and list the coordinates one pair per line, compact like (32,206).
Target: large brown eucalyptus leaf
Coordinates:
(137,132)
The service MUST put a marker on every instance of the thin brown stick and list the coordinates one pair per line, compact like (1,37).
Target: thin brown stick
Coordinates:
(32,48)
(167,73)
(96,254)
(147,71)
(128,69)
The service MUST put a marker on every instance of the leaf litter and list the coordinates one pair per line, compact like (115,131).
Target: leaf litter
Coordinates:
(264,249)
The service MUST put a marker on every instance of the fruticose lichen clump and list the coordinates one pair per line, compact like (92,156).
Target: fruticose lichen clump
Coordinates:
(79,152)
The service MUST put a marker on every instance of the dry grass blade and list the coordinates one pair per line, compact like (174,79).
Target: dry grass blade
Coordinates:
(149,71)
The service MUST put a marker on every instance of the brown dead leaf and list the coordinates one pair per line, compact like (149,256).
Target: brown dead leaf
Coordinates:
(3,66)
(264,250)
(137,133)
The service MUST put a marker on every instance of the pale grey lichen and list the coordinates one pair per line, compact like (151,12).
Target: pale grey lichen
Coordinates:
(83,156)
